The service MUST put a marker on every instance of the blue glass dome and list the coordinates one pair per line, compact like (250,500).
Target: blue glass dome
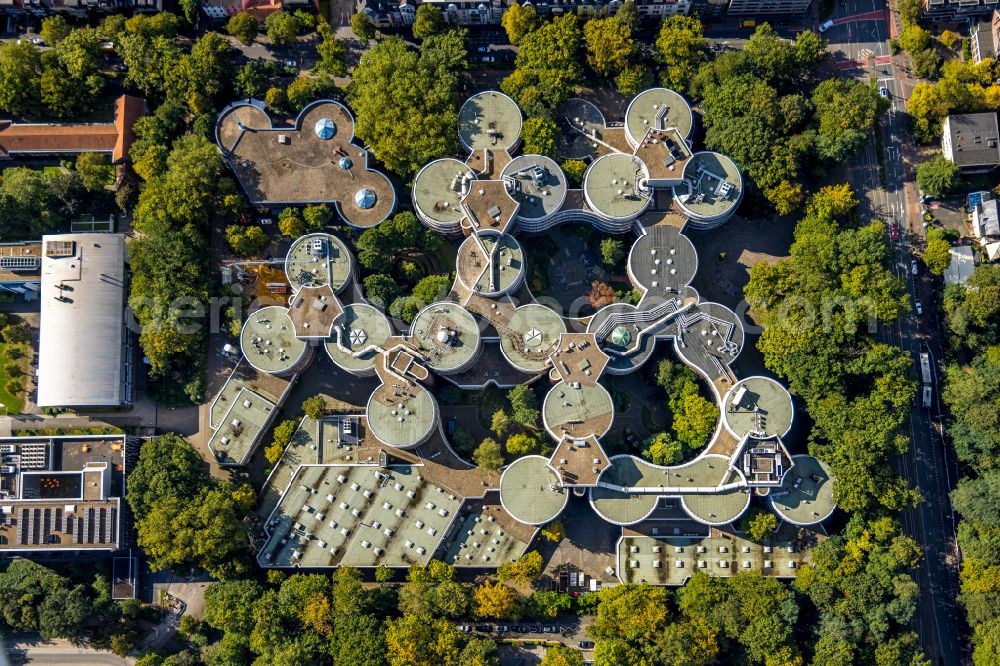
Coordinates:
(345,162)
(365,198)
(325,128)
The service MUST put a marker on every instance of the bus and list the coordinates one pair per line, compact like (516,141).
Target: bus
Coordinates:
(927,396)
(925,367)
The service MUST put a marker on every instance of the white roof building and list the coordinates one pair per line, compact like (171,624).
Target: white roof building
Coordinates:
(985,219)
(81,351)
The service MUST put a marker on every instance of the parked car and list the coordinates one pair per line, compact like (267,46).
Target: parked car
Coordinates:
(884,92)
(550,630)
(484,49)
(38,41)
(464,627)
(585,645)
(502,628)
(292,64)
(913,267)
(266,221)
(919,307)
(484,627)
(894,232)
(826,26)
(487,59)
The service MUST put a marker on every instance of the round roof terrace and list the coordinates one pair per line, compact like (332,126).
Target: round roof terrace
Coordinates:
(530,336)
(663,261)
(491,120)
(359,329)
(758,405)
(401,421)
(438,190)
(540,186)
(611,186)
(490,264)
(578,410)
(268,341)
(316,260)
(807,492)
(657,108)
(448,335)
(712,189)
(530,491)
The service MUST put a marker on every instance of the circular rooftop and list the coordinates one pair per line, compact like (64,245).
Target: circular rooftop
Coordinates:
(359,329)
(657,108)
(719,508)
(490,264)
(758,405)
(617,507)
(438,190)
(325,128)
(806,495)
(316,260)
(579,123)
(491,120)
(618,334)
(712,188)
(711,335)
(238,117)
(448,335)
(530,336)
(540,186)
(611,186)
(530,491)
(401,421)
(268,341)
(663,261)
(578,410)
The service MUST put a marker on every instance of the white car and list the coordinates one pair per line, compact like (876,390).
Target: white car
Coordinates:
(826,26)
(884,92)
(919,307)
(38,41)
(292,63)
(913,267)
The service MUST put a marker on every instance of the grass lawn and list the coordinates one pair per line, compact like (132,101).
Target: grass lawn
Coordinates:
(14,403)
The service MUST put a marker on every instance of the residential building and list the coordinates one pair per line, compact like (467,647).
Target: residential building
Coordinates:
(20,140)
(963,263)
(985,224)
(984,38)
(768,7)
(83,349)
(63,494)
(957,10)
(972,141)
(398,13)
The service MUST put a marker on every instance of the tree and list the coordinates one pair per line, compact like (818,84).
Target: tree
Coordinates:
(937,176)
(307,89)
(937,256)
(539,136)
(479,652)
(332,56)
(55,29)
(380,290)
(168,466)
(914,39)
(494,601)
(404,133)
(282,28)
(522,444)
(20,77)
(694,418)
(609,45)
(280,438)
(431,289)
(560,655)
(524,405)
(362,27)
(96,171)
(429,21)
(909,11)
(662,449)
(246,241)
(315,407)
(628,14)
(847,112)
(547,66)
(601,294)
(523,570)
(518,21)
(761,525)
(243,26)
(500,422)
(949,39)
(680,47)
(415,640)
(291,225)
(488,455)
(612,251)
(926,63)
(554,531)
(574,170)
(446,50)
(633,79)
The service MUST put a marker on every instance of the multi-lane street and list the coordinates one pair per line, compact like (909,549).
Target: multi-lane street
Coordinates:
(884,173)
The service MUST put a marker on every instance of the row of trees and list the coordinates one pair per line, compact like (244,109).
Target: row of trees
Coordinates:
(972,393)
(963,87)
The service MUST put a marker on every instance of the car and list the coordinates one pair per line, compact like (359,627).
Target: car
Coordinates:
(550,630)
(484,627)
(913,266)
(483,49)
(919,307)
(464,627)
(502,628)
(826,26)
(884,92)
(38,41)
(894,232)
(585,645)
(487,59)
(266,221)
(291,63)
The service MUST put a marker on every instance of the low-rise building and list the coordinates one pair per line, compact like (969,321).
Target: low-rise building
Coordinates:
(62,494)
(984,38)
(21,269)
(972,141)
(985,223)
(768,7)
(957,10)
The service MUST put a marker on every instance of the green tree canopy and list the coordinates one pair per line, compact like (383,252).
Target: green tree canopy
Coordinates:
(244,27)
(518,21)
(937,176)
(429,21)
(681,48)
(282,28)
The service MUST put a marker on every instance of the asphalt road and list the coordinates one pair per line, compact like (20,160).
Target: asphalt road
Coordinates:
(928,464)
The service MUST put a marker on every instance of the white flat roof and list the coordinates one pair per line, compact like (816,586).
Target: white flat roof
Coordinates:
(82,320)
